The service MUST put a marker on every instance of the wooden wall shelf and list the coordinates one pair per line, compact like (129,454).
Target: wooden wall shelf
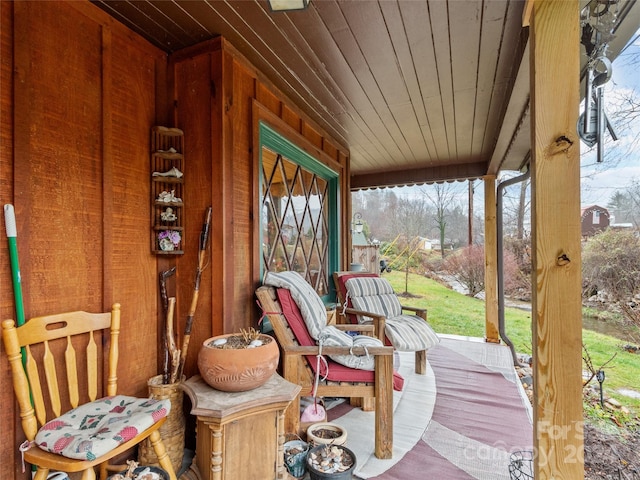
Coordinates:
(167,188)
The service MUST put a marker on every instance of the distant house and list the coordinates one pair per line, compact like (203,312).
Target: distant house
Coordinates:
(426,244)
(594,219)
(435,244)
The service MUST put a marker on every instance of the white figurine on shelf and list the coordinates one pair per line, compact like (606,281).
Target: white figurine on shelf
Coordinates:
(169,197)
(168,215)
(174,172)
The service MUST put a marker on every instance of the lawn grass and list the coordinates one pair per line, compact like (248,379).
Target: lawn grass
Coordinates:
(453,313)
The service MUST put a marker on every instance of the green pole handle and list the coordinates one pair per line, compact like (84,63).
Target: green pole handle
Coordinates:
(12,238)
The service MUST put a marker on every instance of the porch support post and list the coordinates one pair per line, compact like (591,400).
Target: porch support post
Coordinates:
(490,261)
(556,278)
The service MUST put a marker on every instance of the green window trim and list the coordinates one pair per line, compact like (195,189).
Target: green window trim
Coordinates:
(282,147)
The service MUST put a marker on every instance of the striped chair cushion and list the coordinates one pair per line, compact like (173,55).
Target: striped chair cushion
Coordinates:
(373,294)
(410,333)
(405,332)
(311,306)
(331,336)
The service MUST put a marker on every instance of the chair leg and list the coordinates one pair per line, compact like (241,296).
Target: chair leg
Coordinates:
(292,417)
(368,404)
(421,362)
(88,474)
(161,453)
(41,473)
(103,471)
(384,407)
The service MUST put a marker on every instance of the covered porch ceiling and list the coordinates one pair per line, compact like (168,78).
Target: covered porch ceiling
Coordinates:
(417,90)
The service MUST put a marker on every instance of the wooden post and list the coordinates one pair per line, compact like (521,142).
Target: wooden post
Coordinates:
(555,182)
(470,230)
(490,261)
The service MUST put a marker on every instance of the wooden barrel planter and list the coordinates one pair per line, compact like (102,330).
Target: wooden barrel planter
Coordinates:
(172,432)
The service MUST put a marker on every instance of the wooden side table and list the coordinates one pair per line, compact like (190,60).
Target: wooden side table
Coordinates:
(240,435)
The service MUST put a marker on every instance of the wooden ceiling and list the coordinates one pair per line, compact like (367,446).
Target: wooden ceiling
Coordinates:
(417,90)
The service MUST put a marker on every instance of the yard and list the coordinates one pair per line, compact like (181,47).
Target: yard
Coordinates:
(454,313)
(612,439)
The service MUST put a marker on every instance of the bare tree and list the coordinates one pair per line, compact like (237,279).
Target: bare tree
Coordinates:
(377,207)
(625,205)
(442,197)
(524,205)
(409,221)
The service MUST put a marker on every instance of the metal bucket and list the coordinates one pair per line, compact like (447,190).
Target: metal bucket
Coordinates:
(295,457)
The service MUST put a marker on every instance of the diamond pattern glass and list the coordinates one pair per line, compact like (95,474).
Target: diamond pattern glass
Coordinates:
(294,220)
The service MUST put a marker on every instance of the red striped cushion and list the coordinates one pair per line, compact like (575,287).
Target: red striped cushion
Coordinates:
(337,372)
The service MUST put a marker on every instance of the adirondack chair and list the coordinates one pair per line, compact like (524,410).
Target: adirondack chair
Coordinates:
(367,298)
(299,358)
(86,432)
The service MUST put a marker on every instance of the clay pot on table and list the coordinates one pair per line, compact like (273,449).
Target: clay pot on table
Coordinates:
(228,366)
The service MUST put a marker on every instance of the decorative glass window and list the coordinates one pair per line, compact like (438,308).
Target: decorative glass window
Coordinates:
(298,203)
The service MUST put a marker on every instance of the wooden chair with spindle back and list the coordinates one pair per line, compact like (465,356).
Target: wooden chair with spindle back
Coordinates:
(87,432)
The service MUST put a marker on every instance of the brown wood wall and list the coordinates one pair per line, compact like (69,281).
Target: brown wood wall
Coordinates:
(79,94)
(78,98)
(218,98)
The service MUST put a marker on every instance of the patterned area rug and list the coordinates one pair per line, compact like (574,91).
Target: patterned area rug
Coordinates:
(461,421)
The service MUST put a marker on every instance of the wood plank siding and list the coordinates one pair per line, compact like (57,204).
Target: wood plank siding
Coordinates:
(219,98)
(80,93)
(77,112)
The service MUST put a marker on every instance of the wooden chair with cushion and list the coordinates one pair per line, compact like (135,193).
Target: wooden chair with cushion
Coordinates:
(299,360)
(60,378)
(366,298)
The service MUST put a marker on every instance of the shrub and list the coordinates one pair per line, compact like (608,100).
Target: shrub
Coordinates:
(467,266)
(611,264)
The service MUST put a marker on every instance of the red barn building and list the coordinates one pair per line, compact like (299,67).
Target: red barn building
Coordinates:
(594,219)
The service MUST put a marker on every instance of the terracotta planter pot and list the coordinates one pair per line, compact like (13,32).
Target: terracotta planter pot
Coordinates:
(238,369)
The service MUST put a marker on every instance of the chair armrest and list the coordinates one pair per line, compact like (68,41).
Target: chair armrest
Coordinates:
(326,350)
(378,321)
(421,312)
(356,327)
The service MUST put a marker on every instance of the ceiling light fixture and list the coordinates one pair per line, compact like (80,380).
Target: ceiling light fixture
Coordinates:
(287,5)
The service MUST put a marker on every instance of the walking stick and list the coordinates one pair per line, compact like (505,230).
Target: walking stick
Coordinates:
(204,236)
(174,353)
(166,359)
